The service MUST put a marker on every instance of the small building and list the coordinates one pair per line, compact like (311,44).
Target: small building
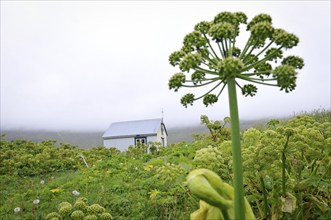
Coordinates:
(129,133)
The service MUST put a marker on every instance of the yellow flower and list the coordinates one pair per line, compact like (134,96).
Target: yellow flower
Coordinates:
(55,190)
(154,193)
(148,167)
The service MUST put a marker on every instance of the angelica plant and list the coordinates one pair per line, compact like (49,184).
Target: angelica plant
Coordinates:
(290,165)
(211,58)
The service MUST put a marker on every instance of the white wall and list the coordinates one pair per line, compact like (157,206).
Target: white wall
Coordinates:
(122,143)
(161,135)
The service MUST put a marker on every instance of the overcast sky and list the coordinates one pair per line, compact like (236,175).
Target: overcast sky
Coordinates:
(81,65)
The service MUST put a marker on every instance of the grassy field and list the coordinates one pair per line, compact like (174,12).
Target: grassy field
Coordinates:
(47,180)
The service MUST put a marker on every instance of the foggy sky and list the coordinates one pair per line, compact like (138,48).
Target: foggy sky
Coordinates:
(81,65)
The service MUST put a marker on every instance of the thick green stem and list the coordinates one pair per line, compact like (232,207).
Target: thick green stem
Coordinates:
(239,208)
(265,198)
(284,167)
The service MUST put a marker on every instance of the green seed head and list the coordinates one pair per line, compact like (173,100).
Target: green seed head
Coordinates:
(53,215)
(230,67)
(80,205)
(176,81)
(77,215)
(203,27)
(95,209)
(187,99)
(91,217)
(106,216)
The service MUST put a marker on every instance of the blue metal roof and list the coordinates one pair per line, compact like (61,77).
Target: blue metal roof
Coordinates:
(133,128)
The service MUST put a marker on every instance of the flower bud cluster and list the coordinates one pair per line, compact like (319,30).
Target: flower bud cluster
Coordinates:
(230,67)
(197,77)
(263,68)
(53,216)
(258,19)
(77,215)
(262,30)
(249,90)
(176,81)
(187,99)
(294,61)
(194,40)
(95,209)
(169,172)
(81,204)
(232,18)
(284,39)
(91,217)
(209,99)
(286,77)
(80,210)
(273,54)
(65,208)
(262,150)
(203,27)
(176,57)
(190,61)
(222,30)
(211,158)
(225,17)
(251,137)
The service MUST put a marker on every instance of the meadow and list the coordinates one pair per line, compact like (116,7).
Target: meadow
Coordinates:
(287,172)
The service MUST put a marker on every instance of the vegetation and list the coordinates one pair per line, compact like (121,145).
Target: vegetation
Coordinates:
(288,168)
(212,59)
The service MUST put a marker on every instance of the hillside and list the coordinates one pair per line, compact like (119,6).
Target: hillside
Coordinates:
(90,139)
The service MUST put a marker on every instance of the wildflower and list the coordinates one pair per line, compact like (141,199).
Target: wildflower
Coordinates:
(17,209)
(42,182)
(55,190)
(36,201)
(75,193)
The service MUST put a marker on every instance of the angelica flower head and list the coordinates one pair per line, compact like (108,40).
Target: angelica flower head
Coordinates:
(211,57)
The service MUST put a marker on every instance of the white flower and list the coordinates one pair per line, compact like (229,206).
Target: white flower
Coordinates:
(36,201)
(42,182)
(75,193)
(17,209)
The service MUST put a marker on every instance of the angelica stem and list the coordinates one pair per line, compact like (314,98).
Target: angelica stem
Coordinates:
(265,198)
(239,208)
